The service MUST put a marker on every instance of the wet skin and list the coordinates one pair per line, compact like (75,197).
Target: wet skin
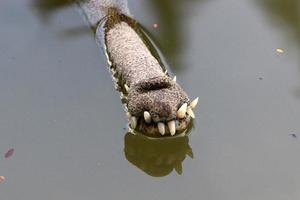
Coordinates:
(157,105)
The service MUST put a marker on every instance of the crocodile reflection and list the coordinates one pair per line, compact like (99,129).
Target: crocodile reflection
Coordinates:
(157,157)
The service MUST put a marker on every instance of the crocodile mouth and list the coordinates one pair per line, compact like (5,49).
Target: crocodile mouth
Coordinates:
(178,126)
(154,130)
(156,113)
(158,107)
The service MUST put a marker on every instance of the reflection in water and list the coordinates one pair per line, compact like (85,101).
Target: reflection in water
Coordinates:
(157,157)
(286,15)
(75,32)
(170,14)
(47,7)
(170,29)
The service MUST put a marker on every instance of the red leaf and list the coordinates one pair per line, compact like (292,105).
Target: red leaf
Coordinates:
(9,153)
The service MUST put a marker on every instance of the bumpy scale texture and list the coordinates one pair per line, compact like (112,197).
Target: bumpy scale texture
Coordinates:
(150,88)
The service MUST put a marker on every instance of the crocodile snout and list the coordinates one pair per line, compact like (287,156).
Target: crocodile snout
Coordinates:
(158,105)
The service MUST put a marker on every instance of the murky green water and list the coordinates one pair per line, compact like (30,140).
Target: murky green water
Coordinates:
(60,113)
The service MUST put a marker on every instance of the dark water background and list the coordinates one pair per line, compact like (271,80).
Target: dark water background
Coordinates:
(61,115)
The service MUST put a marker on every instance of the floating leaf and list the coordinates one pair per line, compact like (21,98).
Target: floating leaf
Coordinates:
(9,153)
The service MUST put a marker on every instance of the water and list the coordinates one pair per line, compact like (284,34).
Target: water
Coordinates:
(60,114)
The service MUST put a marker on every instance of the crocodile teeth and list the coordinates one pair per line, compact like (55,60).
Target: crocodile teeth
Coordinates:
(174,79)
(128,115)
(190,112)
(126,87)
(133,122)
(166,72)
(181,111)
(194,103)
(161,128)
(178,168)
(189,152)
(107,58)
(147,116)
(171,125)
(132,132)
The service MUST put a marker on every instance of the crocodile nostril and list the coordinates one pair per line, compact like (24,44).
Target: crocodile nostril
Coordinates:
(155,86)
(156,83)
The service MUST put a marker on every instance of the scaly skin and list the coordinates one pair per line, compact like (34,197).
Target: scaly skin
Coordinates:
(149,88)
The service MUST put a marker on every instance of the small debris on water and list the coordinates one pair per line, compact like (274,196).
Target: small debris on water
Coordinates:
(2,178)
(155,25)
(279,50)
(260,78)
(293,135)
(9,153)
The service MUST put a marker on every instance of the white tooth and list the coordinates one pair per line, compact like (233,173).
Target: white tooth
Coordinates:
(171,125)
(174,79)
(166,71)
(194,103)
(189,152)
(133,133)
(178,168)
(126,87)
(147,116)
(190,112)
(133,122)
(181,111)
(128,115)
(107,58)
(161,128)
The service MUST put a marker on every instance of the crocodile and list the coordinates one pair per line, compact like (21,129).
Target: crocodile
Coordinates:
(156,105)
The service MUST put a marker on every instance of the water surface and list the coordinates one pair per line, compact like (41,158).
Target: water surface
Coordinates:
(61,115)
